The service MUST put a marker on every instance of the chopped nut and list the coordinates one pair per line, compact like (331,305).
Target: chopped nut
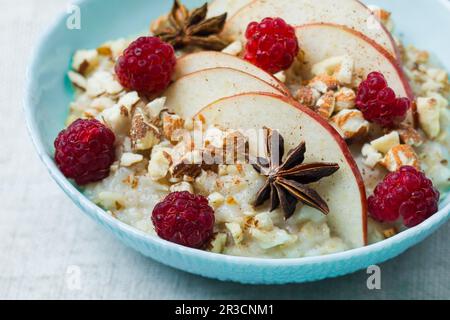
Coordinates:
(102,103)
(172,126)
(234,48)
(386,142)
(307,96)
(429,112)
(214,137)
(216,199)
(155,107)
(371,157)
(341,68)
(182,186)
(113,49)
(326,105)
(102,82)
(408,135)
(351,123)
(144,135)
(128,159)
(263,221)
(235,231)
(389,233)
(110,200)
(159,164)
(218,243)
(324,83)
(400,155)
(190,166)
(281,76)
(345,99)
(129,100)
(84,61)
(77,80)
(118,121)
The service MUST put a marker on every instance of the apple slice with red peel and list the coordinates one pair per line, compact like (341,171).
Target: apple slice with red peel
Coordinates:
(211,59)
(190,93)
(344,191)
(351,13)
(218,7)
(322,41)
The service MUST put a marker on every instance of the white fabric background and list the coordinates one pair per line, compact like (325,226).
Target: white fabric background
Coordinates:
(42,234)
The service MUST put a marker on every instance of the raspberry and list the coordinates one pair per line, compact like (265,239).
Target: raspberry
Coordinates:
(271,44)
(85,151)
(184,218)
(146,66)
(407,193)
(378,102)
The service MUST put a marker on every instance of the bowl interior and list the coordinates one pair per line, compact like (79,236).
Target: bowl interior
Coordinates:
(49,91)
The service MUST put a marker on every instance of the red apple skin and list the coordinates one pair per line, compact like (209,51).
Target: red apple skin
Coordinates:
(337,137)
(395,63)
(369,12)
(282,86)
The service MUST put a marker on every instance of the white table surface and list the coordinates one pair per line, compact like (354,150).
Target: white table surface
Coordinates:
(43,235)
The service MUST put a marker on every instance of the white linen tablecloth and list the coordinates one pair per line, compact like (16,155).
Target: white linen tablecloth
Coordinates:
(50,250)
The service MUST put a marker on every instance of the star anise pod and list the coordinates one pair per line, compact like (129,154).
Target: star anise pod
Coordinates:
(287,180)
(184,28)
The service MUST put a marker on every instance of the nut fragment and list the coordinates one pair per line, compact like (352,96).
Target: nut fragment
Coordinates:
(159,164)
(345,99)
(371,157)
(429,112)
(234,48)
(172,126)
(351,123)
(128,159)
(389,233)
(341,68)
(400,155)
(144,135)
(215,199)
(326,104)
(386,142)
(155,107)
(77,80)
(84,61)
(408,135)
(182,186)
(281,76)
(307,96)
(324,83)
(129,100)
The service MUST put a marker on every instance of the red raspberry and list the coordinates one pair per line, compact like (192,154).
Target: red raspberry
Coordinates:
(271,44)
(407,193)
(85,151)
(146,65)
(378,102)
(184,218)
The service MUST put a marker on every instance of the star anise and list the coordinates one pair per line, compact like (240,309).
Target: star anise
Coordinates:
(184,28)
(287,180)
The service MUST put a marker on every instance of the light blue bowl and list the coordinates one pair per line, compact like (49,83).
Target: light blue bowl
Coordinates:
(423,22)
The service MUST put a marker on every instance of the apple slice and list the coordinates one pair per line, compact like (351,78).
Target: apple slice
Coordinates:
(321,41)
(218,7)
(344,191)
(190,93)
(211,59)
(350,13)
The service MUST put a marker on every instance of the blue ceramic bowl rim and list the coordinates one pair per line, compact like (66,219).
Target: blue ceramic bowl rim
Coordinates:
(86,205)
